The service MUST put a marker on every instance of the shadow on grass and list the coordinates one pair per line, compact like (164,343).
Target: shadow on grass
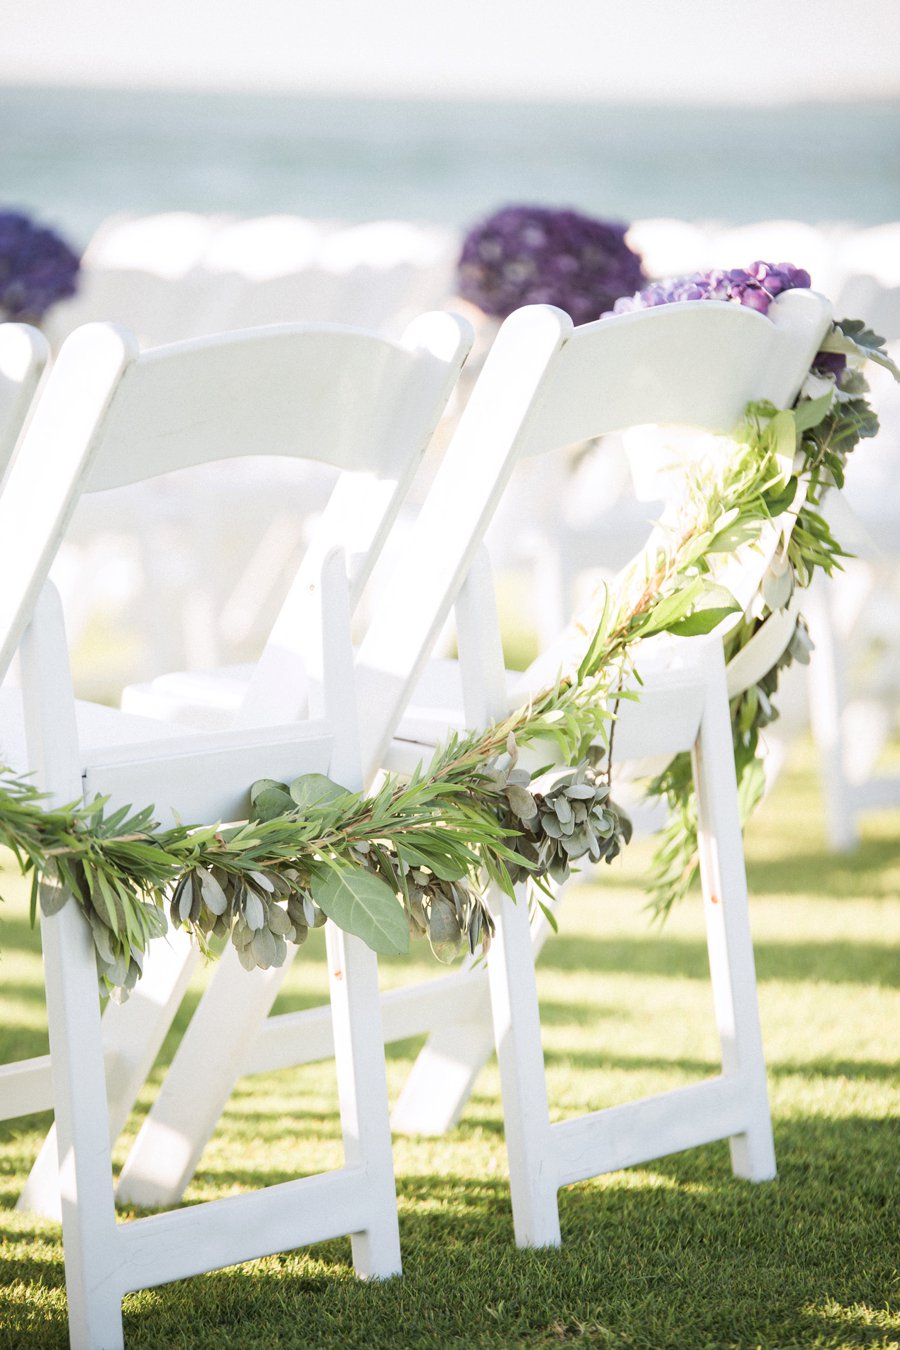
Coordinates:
(838,962)
(851,1069)
(677,1253)
(829,876)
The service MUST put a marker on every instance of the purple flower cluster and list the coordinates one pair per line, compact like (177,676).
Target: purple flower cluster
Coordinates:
(529,255)
(755,286)
(37,268)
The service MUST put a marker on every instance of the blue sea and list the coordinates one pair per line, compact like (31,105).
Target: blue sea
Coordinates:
(75,156)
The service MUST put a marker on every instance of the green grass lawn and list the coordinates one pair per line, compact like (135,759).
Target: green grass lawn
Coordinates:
(677,1253)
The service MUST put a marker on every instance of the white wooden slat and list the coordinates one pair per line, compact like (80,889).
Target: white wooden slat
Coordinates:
(304,1037)
(25,1087)
(47,475)
(220,1233)
(624,1136)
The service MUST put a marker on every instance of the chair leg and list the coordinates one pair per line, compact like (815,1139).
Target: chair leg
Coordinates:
(362,1090)
(90,1237)
(133,1033)
(826,684)
(517,1031)
(729,940)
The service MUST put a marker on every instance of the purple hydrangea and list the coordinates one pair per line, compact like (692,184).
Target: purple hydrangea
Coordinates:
(529,255)
(37,268)
(755,286)
(830,363)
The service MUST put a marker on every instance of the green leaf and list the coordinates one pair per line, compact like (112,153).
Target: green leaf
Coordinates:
(778,502)
(315,789)
(732,536)
(783,430)
(439,861)
(673,608)
(104,891)
(810,412)
(271,802)
(853,338)
(702,620)
(362,904)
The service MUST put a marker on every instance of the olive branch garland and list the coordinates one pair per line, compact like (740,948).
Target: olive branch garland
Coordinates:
(832,416)
(410,856)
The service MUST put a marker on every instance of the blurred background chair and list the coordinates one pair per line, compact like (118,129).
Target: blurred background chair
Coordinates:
(23,359)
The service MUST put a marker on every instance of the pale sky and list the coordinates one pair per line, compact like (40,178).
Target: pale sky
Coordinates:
(666,50)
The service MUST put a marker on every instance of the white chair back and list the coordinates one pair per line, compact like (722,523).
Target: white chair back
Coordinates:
(547,384)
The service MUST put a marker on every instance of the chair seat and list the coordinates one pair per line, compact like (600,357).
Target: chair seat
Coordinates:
(100,729)
(663,722)
(200,698)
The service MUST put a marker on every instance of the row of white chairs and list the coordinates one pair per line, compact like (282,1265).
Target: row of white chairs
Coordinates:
(109,414)
(181,274)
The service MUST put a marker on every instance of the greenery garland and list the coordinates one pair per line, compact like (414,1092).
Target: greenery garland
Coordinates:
(831,417)
(411,857)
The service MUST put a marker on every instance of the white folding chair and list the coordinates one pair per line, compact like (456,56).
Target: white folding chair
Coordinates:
(108,415)
(697,367)
(544,385)
(23,358)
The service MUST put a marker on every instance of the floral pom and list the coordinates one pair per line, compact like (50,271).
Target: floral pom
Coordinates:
(530,255)
(754,287)
(37,268)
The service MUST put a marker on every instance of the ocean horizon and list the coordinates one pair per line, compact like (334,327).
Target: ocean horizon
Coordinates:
(75,156)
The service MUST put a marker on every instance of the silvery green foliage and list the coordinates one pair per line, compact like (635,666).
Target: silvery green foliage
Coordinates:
(261,911)
(578,820)
(573,818)
(448,913)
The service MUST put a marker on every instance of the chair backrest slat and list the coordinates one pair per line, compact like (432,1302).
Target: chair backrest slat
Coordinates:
(682,364)
(326,393)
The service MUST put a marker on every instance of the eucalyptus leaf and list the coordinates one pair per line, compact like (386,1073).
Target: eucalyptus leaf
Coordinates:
(315,789)
(214,897)
(273,802)
(444,932)
(254,910)
(364,905)
(279,921)
(263,948)
(522,802)
(53,894)
(262,880)
(246,957)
